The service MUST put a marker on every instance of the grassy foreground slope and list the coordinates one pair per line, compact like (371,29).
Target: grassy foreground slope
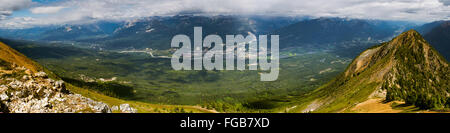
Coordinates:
(10,55)
(405,69)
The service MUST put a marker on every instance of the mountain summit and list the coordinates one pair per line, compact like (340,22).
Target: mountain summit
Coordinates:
(404,69)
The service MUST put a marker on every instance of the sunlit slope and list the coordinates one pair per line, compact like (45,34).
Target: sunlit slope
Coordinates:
(11,55)
(405,69)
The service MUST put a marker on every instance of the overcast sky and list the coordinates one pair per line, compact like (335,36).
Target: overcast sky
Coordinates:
(28,13)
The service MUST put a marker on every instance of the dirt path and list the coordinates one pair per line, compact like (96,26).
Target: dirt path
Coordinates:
(375,106)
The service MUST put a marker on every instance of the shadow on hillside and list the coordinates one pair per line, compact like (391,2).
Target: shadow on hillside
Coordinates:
(3,108)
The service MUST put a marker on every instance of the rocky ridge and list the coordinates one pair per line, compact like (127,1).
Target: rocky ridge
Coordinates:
(22,91)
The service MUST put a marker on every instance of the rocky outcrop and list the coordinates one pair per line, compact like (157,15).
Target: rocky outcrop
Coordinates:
(24,92)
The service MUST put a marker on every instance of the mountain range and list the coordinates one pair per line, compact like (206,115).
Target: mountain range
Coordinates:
(156,32)
(152,32)
(334,30)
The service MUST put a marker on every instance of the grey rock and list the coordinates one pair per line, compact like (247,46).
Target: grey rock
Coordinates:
(103,108)
(41,74)
(114,108)
(4,97)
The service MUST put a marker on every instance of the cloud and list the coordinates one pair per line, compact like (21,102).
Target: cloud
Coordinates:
(46,10)
(82,11)
(8,6)
(445,2)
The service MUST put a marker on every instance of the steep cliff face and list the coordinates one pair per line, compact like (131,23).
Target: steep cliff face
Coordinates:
(25,87)
(406,68)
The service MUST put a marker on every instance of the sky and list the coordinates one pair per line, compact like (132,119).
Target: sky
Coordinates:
(30,13)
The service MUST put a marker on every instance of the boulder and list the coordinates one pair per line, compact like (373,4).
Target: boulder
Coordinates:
(41,74)
(114,108)
(103,108)
(126,108)
(4,97)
